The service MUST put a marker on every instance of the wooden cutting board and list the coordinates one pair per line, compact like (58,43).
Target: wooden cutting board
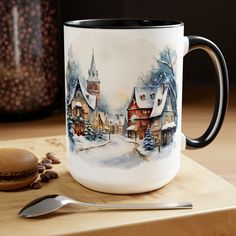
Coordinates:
(214,201)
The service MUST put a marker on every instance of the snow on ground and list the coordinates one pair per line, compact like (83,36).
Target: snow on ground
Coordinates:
(81,143)
(119,152)
(145,176)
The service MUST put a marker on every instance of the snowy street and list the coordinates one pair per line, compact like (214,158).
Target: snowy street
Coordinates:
(118,153)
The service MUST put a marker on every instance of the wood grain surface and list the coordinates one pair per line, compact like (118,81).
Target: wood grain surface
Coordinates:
(214,201)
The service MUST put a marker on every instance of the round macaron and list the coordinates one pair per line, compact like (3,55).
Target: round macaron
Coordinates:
(18,168)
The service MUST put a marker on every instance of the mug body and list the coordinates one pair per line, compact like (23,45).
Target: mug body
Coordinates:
(123,103)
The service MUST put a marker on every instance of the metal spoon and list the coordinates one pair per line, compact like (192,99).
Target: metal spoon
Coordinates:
(49,203)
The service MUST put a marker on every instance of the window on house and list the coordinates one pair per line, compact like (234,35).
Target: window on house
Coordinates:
(144,111)
(87,96)
(159,102)
(143,97)
(152,95)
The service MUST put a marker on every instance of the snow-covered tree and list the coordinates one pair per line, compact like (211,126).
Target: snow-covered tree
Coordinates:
(89,132)
(100,136)
(163,71)
(148,143)
(73,73)
(70,130)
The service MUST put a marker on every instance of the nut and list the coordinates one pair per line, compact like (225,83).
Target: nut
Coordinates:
(36,185)
(52,156)
(45,178)
(52,174)
(46,160)
(41,168)
(47,165)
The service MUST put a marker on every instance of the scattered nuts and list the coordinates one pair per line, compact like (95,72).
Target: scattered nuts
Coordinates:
(45,176)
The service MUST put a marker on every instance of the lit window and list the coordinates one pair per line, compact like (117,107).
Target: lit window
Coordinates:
(143,97)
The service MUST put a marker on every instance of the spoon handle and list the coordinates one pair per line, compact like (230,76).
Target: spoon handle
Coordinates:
(140,206)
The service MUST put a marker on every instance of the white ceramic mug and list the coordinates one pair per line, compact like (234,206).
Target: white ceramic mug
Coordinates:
(124,101)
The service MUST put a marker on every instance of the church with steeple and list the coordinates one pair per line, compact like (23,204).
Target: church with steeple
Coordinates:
(93,82)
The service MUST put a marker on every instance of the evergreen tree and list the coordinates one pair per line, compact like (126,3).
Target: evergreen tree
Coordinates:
(148,143)
(73,74)
(70,130)
(89,132)
(100,136)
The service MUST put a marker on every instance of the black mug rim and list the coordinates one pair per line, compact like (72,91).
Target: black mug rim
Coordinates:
(123,23)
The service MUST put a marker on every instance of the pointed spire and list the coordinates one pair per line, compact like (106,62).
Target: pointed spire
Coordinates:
(93,73)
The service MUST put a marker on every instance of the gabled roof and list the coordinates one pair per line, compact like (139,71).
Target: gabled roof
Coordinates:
(103,116)
(169,125)
(158,108)
(90,99)
(144,96)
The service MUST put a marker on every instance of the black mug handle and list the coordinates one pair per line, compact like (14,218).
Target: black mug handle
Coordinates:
(196,42)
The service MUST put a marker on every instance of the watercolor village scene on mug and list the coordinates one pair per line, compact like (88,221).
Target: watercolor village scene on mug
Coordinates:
(123,129)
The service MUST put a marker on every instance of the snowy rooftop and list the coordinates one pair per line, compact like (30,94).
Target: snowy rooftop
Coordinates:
(90,99)
(131,127)
(103,116)
(159,103)
(145,95)
(134,117)
(78,104)
(169,125)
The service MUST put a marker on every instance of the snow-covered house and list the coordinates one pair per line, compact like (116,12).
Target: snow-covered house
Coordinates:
(162,117)
(152,106)
(104,123)
(82,106)
(118,124)
(139,110)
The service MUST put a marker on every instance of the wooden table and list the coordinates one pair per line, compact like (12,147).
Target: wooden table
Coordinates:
(214,201)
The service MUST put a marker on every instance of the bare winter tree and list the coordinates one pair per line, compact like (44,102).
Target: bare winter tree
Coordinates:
(167,61)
